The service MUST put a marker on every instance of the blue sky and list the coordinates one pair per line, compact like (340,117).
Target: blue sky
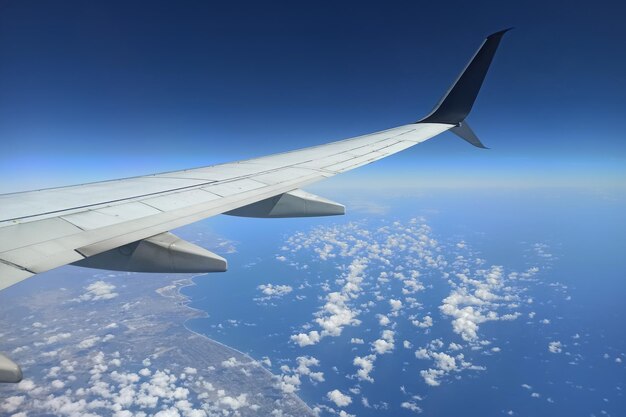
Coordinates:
(100,90)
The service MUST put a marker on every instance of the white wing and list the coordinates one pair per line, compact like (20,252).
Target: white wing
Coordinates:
(84,224)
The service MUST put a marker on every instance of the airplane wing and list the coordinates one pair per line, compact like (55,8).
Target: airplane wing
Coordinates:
(124,224)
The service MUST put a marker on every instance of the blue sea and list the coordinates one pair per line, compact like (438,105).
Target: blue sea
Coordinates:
(564,352)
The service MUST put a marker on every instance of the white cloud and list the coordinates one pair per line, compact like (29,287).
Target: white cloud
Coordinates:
(11,404)
(366,365)
(271,291)
(340,399)
(444,361)
(473,300)
(235,403)
(422,354)
(306,339)
(336,315)
(99,290)
(383,320)
(170,412)
(147,392)
(410,405)
(26,385)
(385,343)
(425,323)
(395,304)
(356,341)
(289,383)
(555,347)
(304,368)
(57,338)
(57,384)
(231,363)
(89,342)
(455,346)
(431,376)
(394,254)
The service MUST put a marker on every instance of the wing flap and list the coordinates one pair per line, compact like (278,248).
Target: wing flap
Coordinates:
(28,233)
(10,275)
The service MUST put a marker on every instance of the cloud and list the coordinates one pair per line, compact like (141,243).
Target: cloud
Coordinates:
(395,304)
(271,291)
(431,376)
(153,391)
(424,324)
(57,384)
(444,361)
(384,264)
(383,320)
(11,404)
(170,412)
(474,300)
(304,368)
(555,347)
(306,339)
(231,363)
(235,403)
(89,342)
(340,399)
(99,290)
(57,338)
(385,343)
(26,385)
(366,365)
(336,315)
(289,381)
(410,405)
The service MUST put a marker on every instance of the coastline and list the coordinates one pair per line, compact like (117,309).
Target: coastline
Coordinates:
(176,288)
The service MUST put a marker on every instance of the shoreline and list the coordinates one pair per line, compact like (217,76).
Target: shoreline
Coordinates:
(184,300)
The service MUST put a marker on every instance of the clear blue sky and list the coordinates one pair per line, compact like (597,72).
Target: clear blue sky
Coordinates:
(99,90)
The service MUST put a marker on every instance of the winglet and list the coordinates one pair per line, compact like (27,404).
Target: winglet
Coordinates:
(466,133)
(456,104)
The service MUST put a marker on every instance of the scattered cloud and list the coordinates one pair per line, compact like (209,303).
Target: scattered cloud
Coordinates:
(555,347)
(271,291)
(366,365)
(99,290)
(385,343)
(340,399)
